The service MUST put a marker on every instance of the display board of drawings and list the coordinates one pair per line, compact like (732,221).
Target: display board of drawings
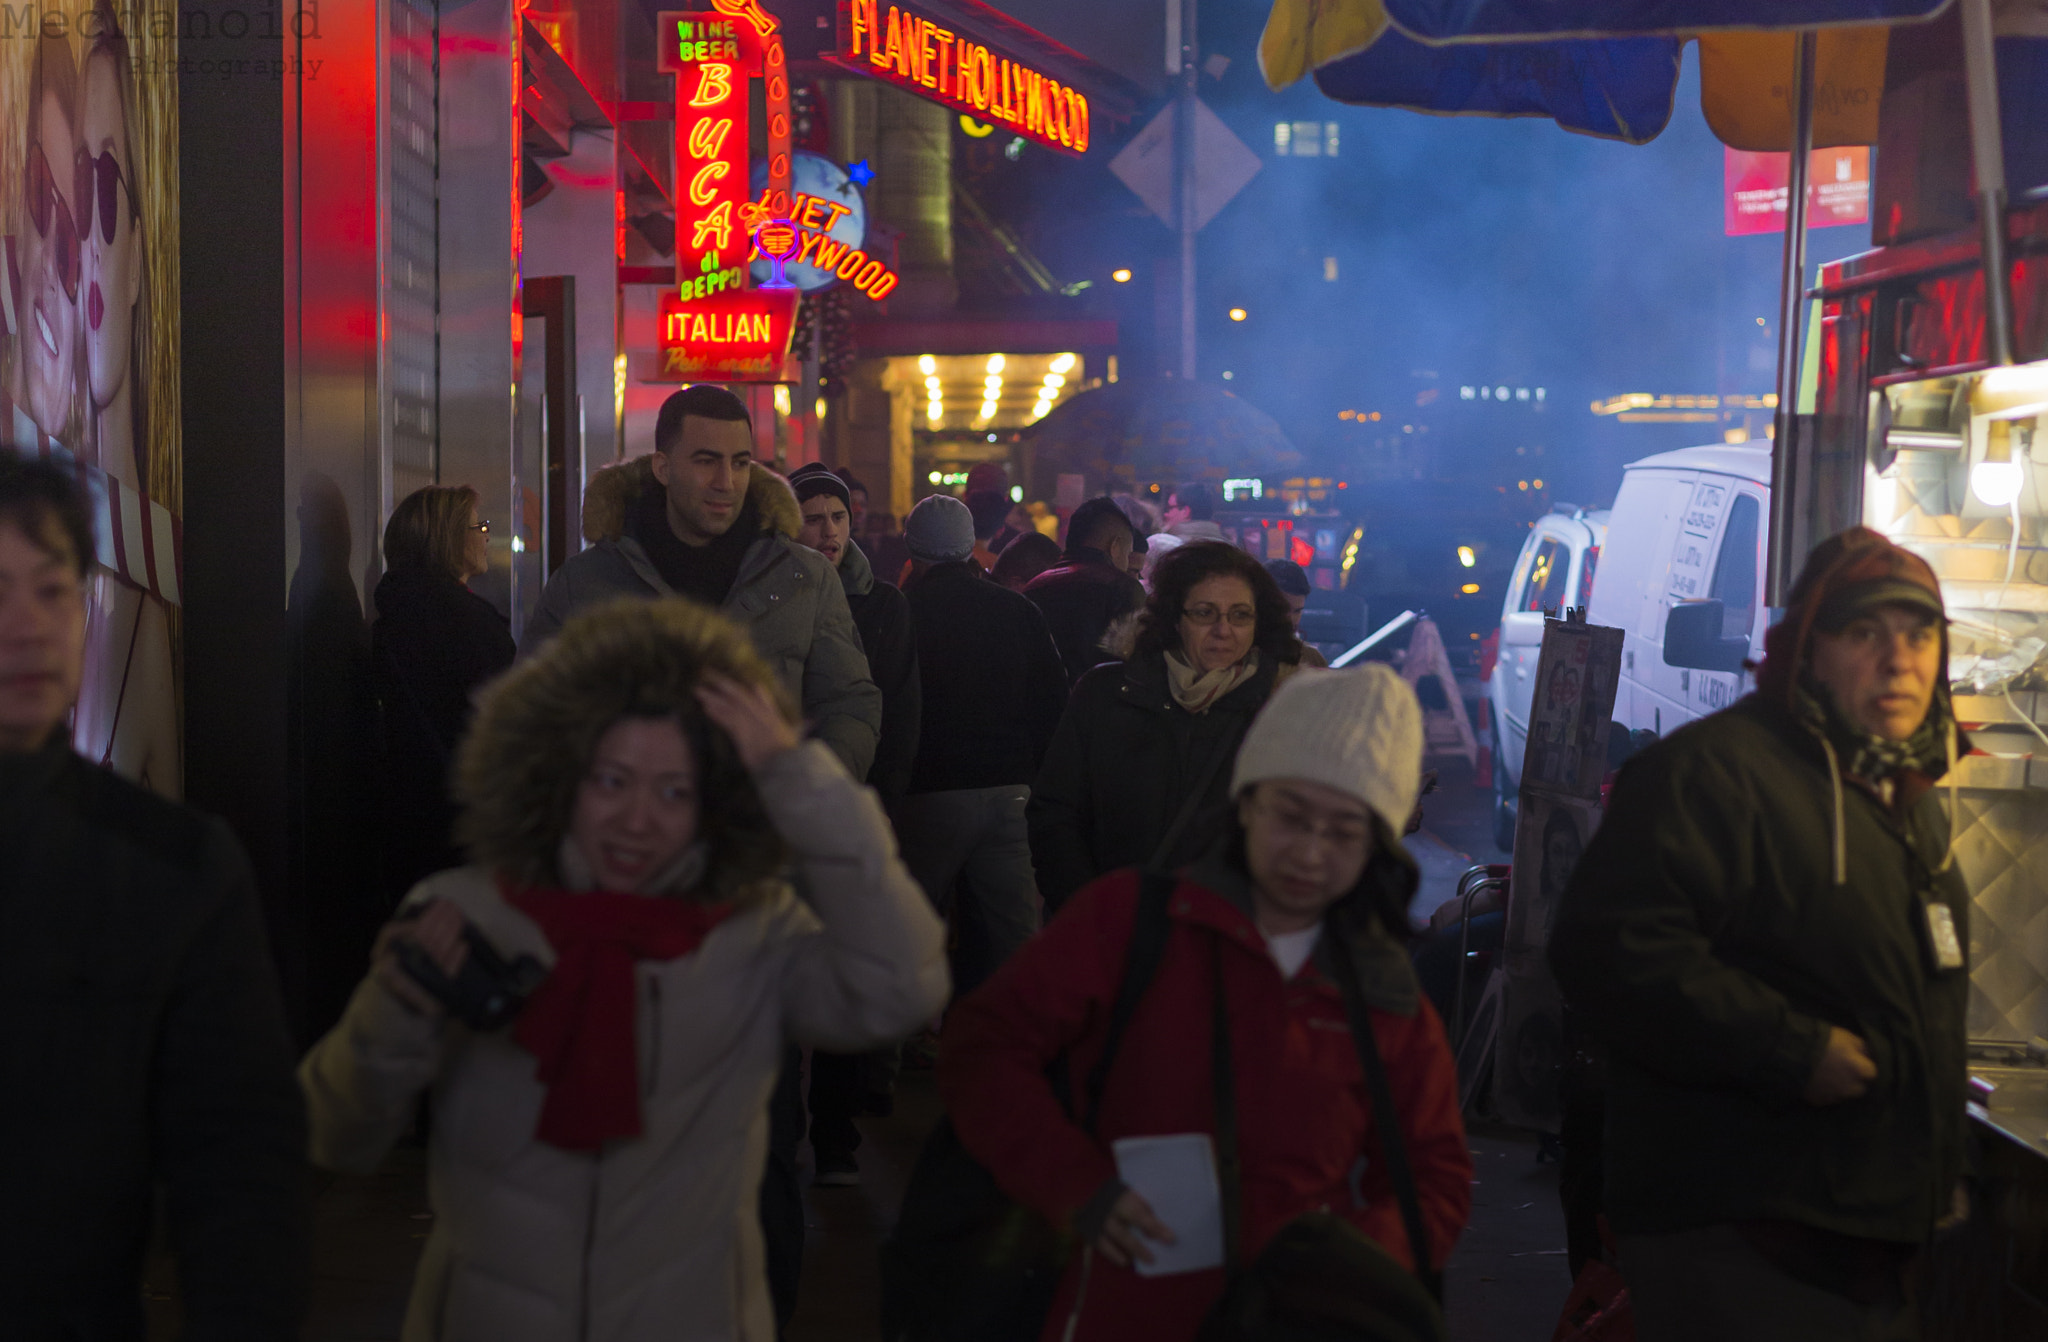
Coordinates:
(1562,772)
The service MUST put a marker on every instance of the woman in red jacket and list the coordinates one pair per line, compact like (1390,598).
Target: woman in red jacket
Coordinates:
(1311,869)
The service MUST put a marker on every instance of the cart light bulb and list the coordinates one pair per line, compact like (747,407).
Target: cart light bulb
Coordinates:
(1997,483)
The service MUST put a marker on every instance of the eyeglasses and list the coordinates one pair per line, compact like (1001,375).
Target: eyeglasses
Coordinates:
(46,209)
(104,173)
(1294,826)
(1240,617)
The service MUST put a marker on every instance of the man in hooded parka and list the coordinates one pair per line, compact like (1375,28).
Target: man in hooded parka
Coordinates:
(1768,934)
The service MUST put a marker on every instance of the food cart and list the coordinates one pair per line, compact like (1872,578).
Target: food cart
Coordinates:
(1916,430)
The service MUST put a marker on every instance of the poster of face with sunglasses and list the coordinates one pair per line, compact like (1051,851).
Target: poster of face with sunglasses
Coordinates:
(88,344)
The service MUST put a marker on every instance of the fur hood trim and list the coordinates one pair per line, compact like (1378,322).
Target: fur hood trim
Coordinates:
(609,498)
(520,767)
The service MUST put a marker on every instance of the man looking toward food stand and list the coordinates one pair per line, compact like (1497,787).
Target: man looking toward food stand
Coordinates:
(1767,935)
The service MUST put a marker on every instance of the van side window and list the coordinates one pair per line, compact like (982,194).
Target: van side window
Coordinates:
(1548,576)
(1735,571)
(1586,567)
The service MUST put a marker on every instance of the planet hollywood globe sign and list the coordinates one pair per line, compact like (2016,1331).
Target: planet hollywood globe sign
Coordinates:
(831,222)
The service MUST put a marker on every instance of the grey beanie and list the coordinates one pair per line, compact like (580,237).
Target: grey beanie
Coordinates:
(939,530)
(1358,731)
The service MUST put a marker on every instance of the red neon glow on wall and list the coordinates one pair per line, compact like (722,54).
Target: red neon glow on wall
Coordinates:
(900,46)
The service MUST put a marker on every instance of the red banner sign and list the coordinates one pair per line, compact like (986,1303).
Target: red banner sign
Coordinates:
(1758,186)
(731,337)
(901,46)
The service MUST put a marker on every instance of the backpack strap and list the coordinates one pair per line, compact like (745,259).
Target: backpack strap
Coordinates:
(1387,1119)
(1141,962)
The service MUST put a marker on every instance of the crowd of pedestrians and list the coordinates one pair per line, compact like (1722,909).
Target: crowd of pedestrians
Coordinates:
(737,798)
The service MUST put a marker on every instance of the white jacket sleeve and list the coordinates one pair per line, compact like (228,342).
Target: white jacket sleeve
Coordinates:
(876,969)
(363,1079)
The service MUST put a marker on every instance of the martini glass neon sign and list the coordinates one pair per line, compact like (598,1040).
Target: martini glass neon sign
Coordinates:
(778,241)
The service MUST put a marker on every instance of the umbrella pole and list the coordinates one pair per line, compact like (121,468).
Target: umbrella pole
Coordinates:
(1785,482)
(1987,153)
(1184,179)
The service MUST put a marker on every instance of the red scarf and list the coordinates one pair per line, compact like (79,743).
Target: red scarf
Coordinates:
(578,1024)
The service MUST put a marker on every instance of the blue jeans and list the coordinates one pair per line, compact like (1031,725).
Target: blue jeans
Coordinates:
(970,851)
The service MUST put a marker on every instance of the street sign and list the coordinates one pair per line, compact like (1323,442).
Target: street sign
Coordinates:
(1223,165)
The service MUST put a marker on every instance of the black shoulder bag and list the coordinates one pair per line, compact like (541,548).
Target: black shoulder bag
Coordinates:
(1321,1279)
(966,1262)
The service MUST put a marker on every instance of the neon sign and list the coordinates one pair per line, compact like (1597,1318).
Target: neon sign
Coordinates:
(900,46)
(712,54)
(739,336)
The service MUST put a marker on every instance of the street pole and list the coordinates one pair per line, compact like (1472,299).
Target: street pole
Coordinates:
(1987,155)
(1785,483)
(1184,182)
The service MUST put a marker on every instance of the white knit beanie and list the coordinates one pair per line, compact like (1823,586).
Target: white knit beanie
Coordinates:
(1358,731)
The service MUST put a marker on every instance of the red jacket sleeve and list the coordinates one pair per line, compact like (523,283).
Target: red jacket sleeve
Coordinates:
(1424,1079)
(1001,1041)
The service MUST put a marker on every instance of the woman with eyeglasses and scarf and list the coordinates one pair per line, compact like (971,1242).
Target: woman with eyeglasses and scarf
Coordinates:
(1144,749)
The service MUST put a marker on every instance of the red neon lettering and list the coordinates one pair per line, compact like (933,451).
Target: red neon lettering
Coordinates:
(867,274)
(750,10)
(717,225)
(702,190)
(850,264)
(984,76)
(883,286)
(856,27)
(707,137)
(828,254)
(945,61)
(1081,131)
(838,212)
(714,85)
(927,55)
(810,245)
(807,208)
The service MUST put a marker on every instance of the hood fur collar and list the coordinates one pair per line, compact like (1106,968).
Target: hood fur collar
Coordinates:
(609,498)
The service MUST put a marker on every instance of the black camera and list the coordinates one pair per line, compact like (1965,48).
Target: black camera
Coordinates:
(487,992)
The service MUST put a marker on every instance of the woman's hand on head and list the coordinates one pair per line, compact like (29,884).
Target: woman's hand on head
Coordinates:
(437,930)
(750,716)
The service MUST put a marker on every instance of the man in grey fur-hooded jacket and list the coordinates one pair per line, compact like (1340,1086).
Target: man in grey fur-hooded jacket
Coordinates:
(700,518)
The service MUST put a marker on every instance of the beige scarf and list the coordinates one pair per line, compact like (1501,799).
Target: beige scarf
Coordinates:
(1198,691)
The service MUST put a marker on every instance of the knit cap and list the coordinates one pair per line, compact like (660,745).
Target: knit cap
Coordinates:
(1358,730)
(810,481)
(939,530)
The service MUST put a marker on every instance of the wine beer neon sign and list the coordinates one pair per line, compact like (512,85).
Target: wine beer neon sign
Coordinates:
(713,54)
(898,45)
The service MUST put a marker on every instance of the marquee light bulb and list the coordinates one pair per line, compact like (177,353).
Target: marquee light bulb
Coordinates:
(927,364)
(995,363)
(1063,363)
(1055,380)
(1120,275)
(931,384)
(1997,483)
(934,411)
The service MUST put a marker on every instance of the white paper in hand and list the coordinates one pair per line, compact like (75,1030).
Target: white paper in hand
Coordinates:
(1177,1175)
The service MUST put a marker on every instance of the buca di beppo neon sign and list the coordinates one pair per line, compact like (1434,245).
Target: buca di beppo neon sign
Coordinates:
(901,46)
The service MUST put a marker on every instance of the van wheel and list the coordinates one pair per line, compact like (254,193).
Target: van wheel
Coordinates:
(1504,800)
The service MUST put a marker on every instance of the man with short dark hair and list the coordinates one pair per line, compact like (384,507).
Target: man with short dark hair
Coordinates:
(1768,933)
(1191,513)
(143,1047)
(700,518)
(1091,588)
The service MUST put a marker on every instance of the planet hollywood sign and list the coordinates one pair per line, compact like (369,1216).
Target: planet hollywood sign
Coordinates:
(900,46)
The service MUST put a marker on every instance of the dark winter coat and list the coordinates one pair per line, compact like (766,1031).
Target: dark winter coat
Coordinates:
(433,644)
(142,1045)
(1705,941)
(1121,766)
(784,595)
(1305,1120)
(994,687)
(1081,599)
(882,617)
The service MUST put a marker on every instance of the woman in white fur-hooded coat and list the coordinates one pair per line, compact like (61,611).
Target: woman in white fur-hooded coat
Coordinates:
(595,1165)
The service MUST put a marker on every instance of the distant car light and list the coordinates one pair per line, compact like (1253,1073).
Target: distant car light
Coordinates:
(1468,559)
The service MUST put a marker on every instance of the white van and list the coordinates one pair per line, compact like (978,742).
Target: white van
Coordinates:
(1554,570)
(1682,576)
